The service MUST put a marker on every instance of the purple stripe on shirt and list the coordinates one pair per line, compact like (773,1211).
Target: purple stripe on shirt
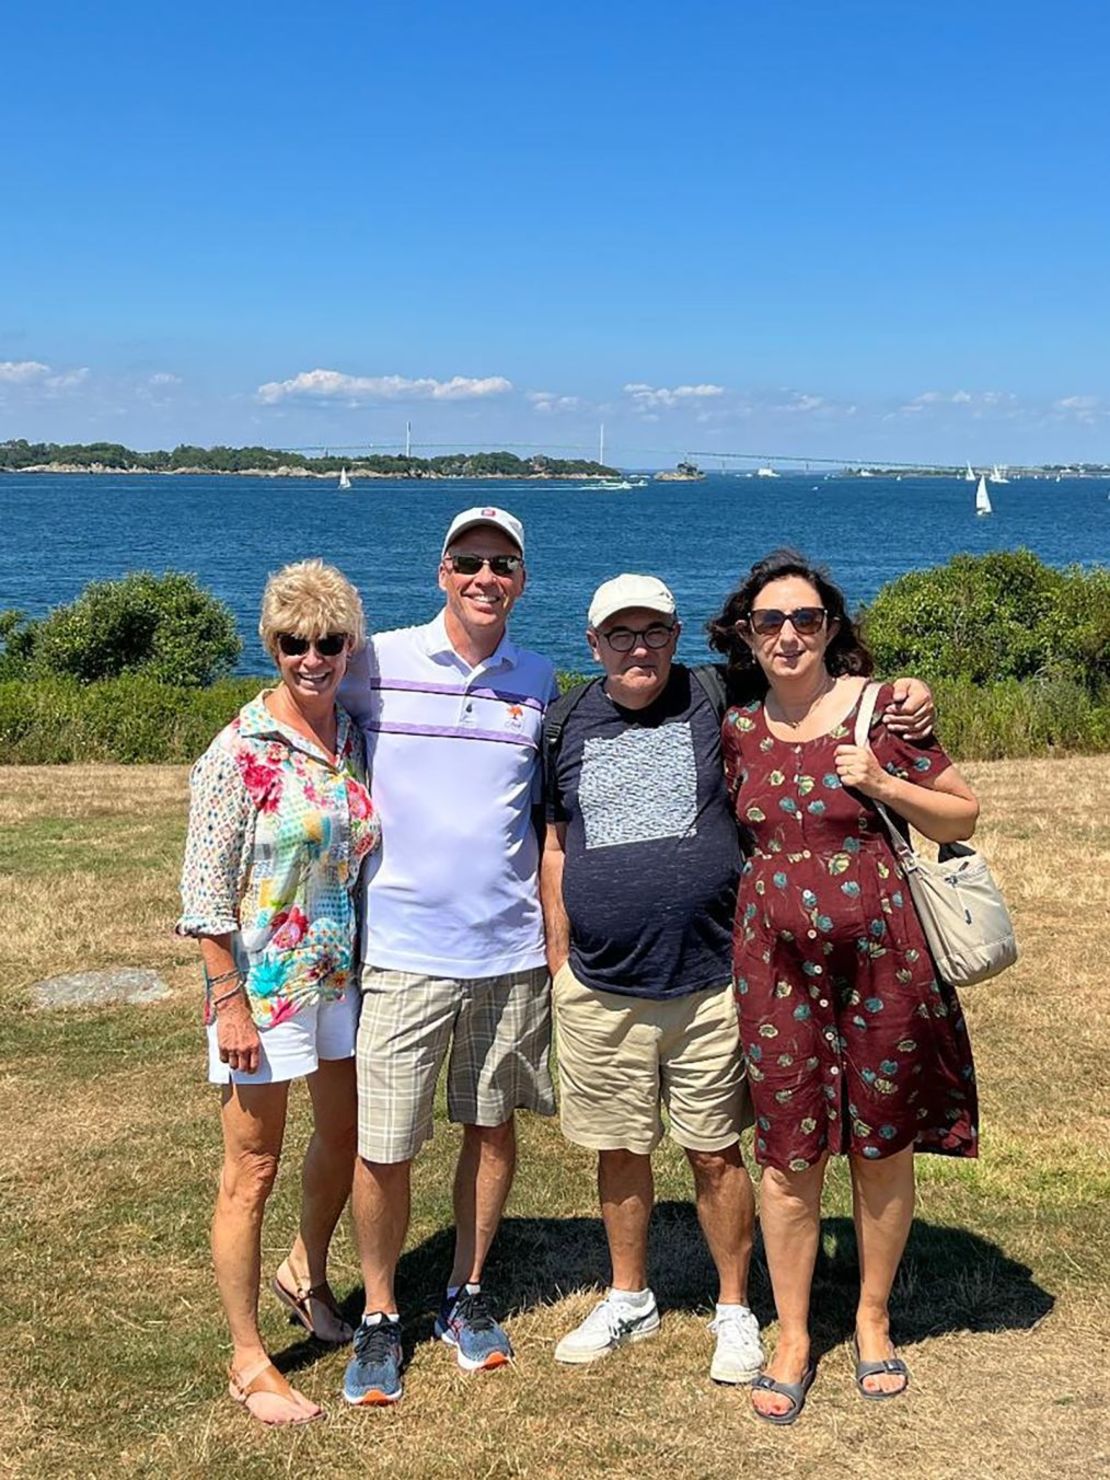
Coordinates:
(449,732)
(417,686)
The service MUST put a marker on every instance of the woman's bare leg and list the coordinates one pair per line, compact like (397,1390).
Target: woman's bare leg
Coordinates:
(790,1216)
(882,1205)
(253,1121)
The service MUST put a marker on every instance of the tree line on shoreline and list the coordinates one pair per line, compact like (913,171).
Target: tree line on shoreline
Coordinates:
(18,455)
(139,669)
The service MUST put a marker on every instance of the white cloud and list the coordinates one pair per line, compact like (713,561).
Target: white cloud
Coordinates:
(1086,410)
(549,402)
(67,380)
(165,377)
(20,372)
(333,385)
(1076,403)
(977,402)
(799,402)
(648,397)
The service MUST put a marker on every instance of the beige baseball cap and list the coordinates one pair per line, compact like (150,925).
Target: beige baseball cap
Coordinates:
(496,518)
(626,591)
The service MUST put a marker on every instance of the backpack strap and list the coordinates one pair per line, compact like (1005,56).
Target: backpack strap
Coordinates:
(554,723)
(713,678)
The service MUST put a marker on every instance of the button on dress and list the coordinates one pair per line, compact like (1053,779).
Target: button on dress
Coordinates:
(853,1044)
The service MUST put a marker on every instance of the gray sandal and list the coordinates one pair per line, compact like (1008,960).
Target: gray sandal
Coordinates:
(894,1365)
(795,1391)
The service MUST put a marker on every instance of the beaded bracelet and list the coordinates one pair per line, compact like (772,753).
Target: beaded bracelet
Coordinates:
(225,976)
(227,996)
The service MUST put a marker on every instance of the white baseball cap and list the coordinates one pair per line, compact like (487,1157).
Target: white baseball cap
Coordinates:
(624,592)
(497,518)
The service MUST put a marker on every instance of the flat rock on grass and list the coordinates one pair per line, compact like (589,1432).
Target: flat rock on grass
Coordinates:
(124,984)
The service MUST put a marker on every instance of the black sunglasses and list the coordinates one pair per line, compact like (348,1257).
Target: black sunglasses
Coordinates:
(328,646)
(470,565)
(805,620)
(624,639)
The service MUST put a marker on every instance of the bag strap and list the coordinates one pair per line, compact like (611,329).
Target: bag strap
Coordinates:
(712,678)
(554,723)
(864,715)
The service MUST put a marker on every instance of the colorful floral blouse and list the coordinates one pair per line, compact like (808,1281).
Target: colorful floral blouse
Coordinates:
(277,835)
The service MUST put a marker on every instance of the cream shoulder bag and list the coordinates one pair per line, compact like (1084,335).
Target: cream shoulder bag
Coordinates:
(961,909)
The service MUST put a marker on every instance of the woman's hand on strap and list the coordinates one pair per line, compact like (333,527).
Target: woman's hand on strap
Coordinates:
(237,1036)
(857,767)
(911,712)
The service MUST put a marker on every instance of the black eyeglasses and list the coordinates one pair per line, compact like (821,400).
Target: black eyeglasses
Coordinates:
(470,565)
(328,646)
(624,639)
(806,620)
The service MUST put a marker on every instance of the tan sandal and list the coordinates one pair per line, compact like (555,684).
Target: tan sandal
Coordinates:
(264,1380)
(297,1303)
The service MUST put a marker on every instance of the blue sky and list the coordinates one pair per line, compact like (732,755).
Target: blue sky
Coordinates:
(875,228)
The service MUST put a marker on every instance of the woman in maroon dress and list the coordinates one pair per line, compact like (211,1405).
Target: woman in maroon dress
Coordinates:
(853,1045)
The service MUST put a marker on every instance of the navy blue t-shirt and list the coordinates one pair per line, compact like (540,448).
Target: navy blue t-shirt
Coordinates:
(652,853)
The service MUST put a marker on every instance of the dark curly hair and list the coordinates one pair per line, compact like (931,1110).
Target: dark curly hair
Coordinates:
(846,653)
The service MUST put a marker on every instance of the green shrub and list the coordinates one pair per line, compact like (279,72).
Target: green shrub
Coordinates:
(129,719)
(134,719)
(166,627)
(985,618)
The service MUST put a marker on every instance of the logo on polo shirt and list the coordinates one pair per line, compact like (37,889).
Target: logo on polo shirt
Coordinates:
(514,716)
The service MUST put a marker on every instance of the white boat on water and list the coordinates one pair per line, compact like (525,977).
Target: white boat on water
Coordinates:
(615,485)
(344,481)
(969,476)
(998,475)
(982,498)
(766,473)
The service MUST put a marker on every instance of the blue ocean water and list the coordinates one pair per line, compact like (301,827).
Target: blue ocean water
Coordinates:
(60,532)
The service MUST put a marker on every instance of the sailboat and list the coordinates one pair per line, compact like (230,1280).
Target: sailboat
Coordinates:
(969,476)
(344,481)
(998,475)
(982,498)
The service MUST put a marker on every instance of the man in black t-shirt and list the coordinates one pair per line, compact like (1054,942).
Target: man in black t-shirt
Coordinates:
(639,882)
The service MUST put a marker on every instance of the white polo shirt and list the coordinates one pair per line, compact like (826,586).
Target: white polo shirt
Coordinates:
(454,755)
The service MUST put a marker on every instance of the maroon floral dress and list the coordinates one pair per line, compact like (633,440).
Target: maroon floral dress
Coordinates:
(852,1043)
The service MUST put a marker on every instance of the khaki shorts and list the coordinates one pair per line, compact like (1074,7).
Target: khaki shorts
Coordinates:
(498,1029)
(621,1058)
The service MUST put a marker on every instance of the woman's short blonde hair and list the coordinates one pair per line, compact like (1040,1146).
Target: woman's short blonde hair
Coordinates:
(310,599)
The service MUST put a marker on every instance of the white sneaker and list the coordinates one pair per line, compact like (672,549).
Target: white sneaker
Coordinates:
(609,1325)
(738,1355)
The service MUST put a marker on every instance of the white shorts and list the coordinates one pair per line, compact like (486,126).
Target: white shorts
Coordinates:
(321,1030)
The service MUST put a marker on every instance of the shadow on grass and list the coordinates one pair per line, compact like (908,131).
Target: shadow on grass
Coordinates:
(950,1279)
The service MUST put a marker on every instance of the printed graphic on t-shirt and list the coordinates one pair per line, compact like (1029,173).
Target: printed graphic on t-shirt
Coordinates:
(639,786)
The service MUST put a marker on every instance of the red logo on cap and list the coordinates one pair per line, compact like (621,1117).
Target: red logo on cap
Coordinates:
(489,513)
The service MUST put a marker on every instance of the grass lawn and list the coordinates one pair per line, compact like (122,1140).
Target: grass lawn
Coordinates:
(114,1347)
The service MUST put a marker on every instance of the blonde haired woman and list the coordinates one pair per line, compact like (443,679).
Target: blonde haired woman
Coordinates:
(279,823)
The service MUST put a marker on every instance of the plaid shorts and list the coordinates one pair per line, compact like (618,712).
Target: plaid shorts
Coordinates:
(498,1029)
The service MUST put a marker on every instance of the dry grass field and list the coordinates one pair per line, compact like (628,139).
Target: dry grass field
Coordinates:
(114,1350)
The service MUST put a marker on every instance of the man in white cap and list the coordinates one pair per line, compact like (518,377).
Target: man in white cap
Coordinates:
(639,887)
(639,878)
(453,950)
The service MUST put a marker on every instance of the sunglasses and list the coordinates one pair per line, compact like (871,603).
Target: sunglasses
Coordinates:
(328,646)
(806,620)
(624,639)
(470,565)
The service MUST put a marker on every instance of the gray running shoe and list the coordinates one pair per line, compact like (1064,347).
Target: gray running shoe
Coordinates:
(609,1325)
